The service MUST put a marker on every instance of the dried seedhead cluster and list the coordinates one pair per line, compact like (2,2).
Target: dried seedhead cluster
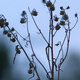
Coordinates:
(60,23)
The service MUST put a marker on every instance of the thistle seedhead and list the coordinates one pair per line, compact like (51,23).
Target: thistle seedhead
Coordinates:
(5,32)
(56,19)
(9,34)
(61,8)
(44,1)
(6,24)
(13,39)
(29,71)
(23,13)
(57,27)
(2,23)
(48,4)
(34,12)
(65,17)
(22,20)
(52,8)
(68,7)
(62,23)
(62,12)
(76,15)
(18,51)
(12,29)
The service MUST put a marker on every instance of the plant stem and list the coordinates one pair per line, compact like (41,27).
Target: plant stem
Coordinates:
(52,46)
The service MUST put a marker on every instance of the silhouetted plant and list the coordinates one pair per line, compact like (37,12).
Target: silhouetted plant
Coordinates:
(53,29)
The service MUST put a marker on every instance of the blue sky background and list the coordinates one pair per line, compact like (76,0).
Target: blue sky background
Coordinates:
(12,9)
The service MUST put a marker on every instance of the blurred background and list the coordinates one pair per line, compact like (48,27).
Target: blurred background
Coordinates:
(19,71)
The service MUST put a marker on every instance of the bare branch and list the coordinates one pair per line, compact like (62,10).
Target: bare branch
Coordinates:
(38,27)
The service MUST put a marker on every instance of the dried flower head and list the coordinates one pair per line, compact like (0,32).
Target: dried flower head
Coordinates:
(6,23)
(18,51)
(62,23)
(34,12)
(65,17)
(44,1)
(62,12)
(5,32)
(13,39)
(56,19)
(29,71)
(23,13)
(12,29)
(57,27)
(61,8)
(76,15)
(48,4)
(9,34)
(22,20)
(68,7)
(52,8)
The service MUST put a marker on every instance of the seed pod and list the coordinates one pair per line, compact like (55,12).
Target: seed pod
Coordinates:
(44,1)
(13,39)
(57,44)
(62,12)
(23,13)
(52,8)
(30,71)
(34,13)
(56,19)
(12,29)
(48,4)
(18,51)
(2,25)
(9,35)
(76,15)
(68,7)
(62,23)
(5,32)
(57,27)
(61,7)
(22,20)
(6,23)
(65,17)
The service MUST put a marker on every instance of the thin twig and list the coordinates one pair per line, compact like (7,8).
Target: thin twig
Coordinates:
(14,58)
(66,51)
(54,2)
(61,46)
(25,54)
(32,48)
(55,33)
(21,35)
(38,27)
(74,24)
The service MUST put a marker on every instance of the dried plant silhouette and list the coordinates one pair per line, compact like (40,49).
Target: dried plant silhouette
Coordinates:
(62,22)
